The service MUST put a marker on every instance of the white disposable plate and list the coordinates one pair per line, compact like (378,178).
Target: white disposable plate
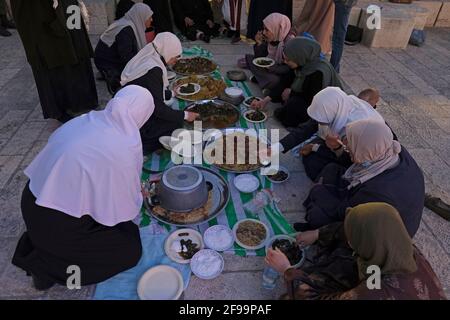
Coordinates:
(256,60)
(177,235)
(253,121)
(202,258)
(161,283)
(261,245)
(211,232)
(196,86)
(246,183)
(248,105)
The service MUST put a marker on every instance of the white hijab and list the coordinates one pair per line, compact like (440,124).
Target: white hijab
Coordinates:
(134,18)
(334,107)
(92,164)
(165,45)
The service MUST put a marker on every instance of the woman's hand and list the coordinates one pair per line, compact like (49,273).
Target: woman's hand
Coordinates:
(306,150)
(332,141)
(307,238)
(259,38)
(189,22)
(261,104)
(277,260)
(191,116)
(210,24)
(286,94)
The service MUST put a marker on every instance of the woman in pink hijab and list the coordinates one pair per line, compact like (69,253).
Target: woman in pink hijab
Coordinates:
(83,193)
(270,43)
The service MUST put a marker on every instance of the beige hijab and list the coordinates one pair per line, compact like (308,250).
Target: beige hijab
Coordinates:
(376,233)
(165,45)
(373,150)
(134,18)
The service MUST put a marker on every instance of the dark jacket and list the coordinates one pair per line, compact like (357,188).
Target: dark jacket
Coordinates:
(402,187)
(45,36)
(119,54)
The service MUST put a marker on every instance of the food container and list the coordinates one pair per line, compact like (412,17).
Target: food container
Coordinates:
(218,238)
(234,92)
(236,75)
(181,189)
(292,240)
(263,239)
(207,264)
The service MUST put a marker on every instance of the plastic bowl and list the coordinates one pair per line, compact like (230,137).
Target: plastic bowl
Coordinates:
(234,92)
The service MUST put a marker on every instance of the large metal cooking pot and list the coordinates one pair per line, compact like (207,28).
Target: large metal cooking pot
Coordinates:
(182,189)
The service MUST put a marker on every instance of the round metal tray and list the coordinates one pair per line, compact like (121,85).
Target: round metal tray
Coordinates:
(220,197)
(189,98)
(196,74)
(229,131)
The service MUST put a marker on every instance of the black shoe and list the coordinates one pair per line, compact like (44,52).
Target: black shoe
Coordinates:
(40,284)
(301,227)
(438,206)
(4,32)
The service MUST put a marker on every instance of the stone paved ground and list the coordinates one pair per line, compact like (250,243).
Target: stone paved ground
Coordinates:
(416,103)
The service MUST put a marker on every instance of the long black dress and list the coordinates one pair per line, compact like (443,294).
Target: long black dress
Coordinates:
(162,20)
(164,119)
(59,57)
(54,241)
(260,9)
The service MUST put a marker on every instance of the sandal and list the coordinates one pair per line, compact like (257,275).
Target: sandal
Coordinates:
(438,206)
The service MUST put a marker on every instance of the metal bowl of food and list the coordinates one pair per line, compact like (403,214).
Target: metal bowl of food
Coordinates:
(236,75)
(182,188)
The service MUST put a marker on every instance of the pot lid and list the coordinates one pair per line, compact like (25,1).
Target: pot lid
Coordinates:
(182,178)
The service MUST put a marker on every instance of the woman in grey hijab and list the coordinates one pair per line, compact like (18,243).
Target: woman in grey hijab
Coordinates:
(121,42)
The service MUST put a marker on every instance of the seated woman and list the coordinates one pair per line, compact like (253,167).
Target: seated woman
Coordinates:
(312,74)
(121,42)
(84,191)
(271,43)
(382,171)
(376,234)
(195,19)
(148,69)
(332,109)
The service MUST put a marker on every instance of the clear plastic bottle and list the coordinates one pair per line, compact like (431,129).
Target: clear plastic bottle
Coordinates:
(270,277)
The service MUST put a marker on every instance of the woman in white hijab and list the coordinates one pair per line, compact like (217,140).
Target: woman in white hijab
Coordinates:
(121,42)
(148,69)
(83,193)
(332,109)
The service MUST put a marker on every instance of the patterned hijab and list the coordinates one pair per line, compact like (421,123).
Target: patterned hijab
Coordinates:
(378,236)
(306,53)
